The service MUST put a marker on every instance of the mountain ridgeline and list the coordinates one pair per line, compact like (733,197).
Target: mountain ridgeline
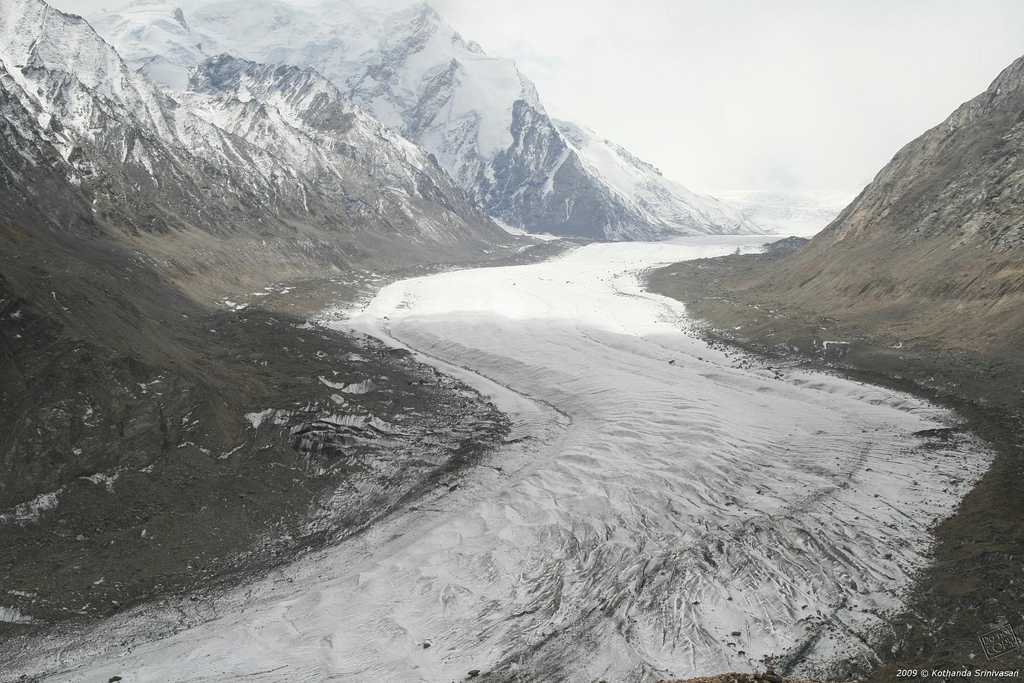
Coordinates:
(929,255)
(292,179)
(933,248)
(476,114)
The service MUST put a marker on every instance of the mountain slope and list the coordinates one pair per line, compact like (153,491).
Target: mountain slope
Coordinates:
(649,200)
(213,204)
(934,247)
(477,114)
(929,254)
(301,119)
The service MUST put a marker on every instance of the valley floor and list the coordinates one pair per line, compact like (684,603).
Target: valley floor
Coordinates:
(661,507)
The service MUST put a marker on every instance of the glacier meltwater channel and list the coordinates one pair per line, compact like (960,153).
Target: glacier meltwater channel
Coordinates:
(661,508)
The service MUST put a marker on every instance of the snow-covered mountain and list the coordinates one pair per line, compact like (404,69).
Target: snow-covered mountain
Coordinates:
(273,158)
(651,203)
(477,114)
(299,116)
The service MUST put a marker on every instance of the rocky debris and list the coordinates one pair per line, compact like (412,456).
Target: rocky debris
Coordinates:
(166,484)
(124,401)
(835,351)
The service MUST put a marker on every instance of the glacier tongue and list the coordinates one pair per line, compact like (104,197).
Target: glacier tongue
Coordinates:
(662,508)
(477,114)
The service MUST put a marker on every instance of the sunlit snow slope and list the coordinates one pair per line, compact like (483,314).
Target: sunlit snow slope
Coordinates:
(662,508)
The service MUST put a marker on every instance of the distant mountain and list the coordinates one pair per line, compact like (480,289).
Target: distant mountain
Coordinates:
(647,203)
(788,213)
(477,114)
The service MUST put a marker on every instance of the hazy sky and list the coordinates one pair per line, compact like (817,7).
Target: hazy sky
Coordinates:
(737,94)
(734,94)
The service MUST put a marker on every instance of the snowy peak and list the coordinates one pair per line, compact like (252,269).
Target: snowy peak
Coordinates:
(73,75)
(36,36)
(423,78)
(304,119)
(156,39)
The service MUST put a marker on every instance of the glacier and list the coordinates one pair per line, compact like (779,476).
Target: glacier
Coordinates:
(662,507)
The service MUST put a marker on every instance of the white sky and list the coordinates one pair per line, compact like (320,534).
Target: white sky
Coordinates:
(748,94)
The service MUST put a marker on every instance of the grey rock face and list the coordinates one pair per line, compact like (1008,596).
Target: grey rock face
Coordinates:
(539,182)
(961,178)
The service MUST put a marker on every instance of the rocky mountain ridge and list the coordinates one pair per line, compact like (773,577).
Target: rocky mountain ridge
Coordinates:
(932,247)
(178,186)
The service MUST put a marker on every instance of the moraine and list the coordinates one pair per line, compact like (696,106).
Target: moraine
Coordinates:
(662,507)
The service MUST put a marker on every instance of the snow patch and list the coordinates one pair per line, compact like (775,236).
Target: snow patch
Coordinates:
(105,480)
(10,615)
(30,511)
(257,419)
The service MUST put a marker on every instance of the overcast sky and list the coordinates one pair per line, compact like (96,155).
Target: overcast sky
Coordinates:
(740,94)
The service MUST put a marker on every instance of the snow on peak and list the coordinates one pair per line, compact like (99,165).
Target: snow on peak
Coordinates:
(405,65)
(156,38)
(651,198)
(73,75)
(301,118)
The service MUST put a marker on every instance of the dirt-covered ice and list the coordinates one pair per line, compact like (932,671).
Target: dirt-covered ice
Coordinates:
(661,508)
